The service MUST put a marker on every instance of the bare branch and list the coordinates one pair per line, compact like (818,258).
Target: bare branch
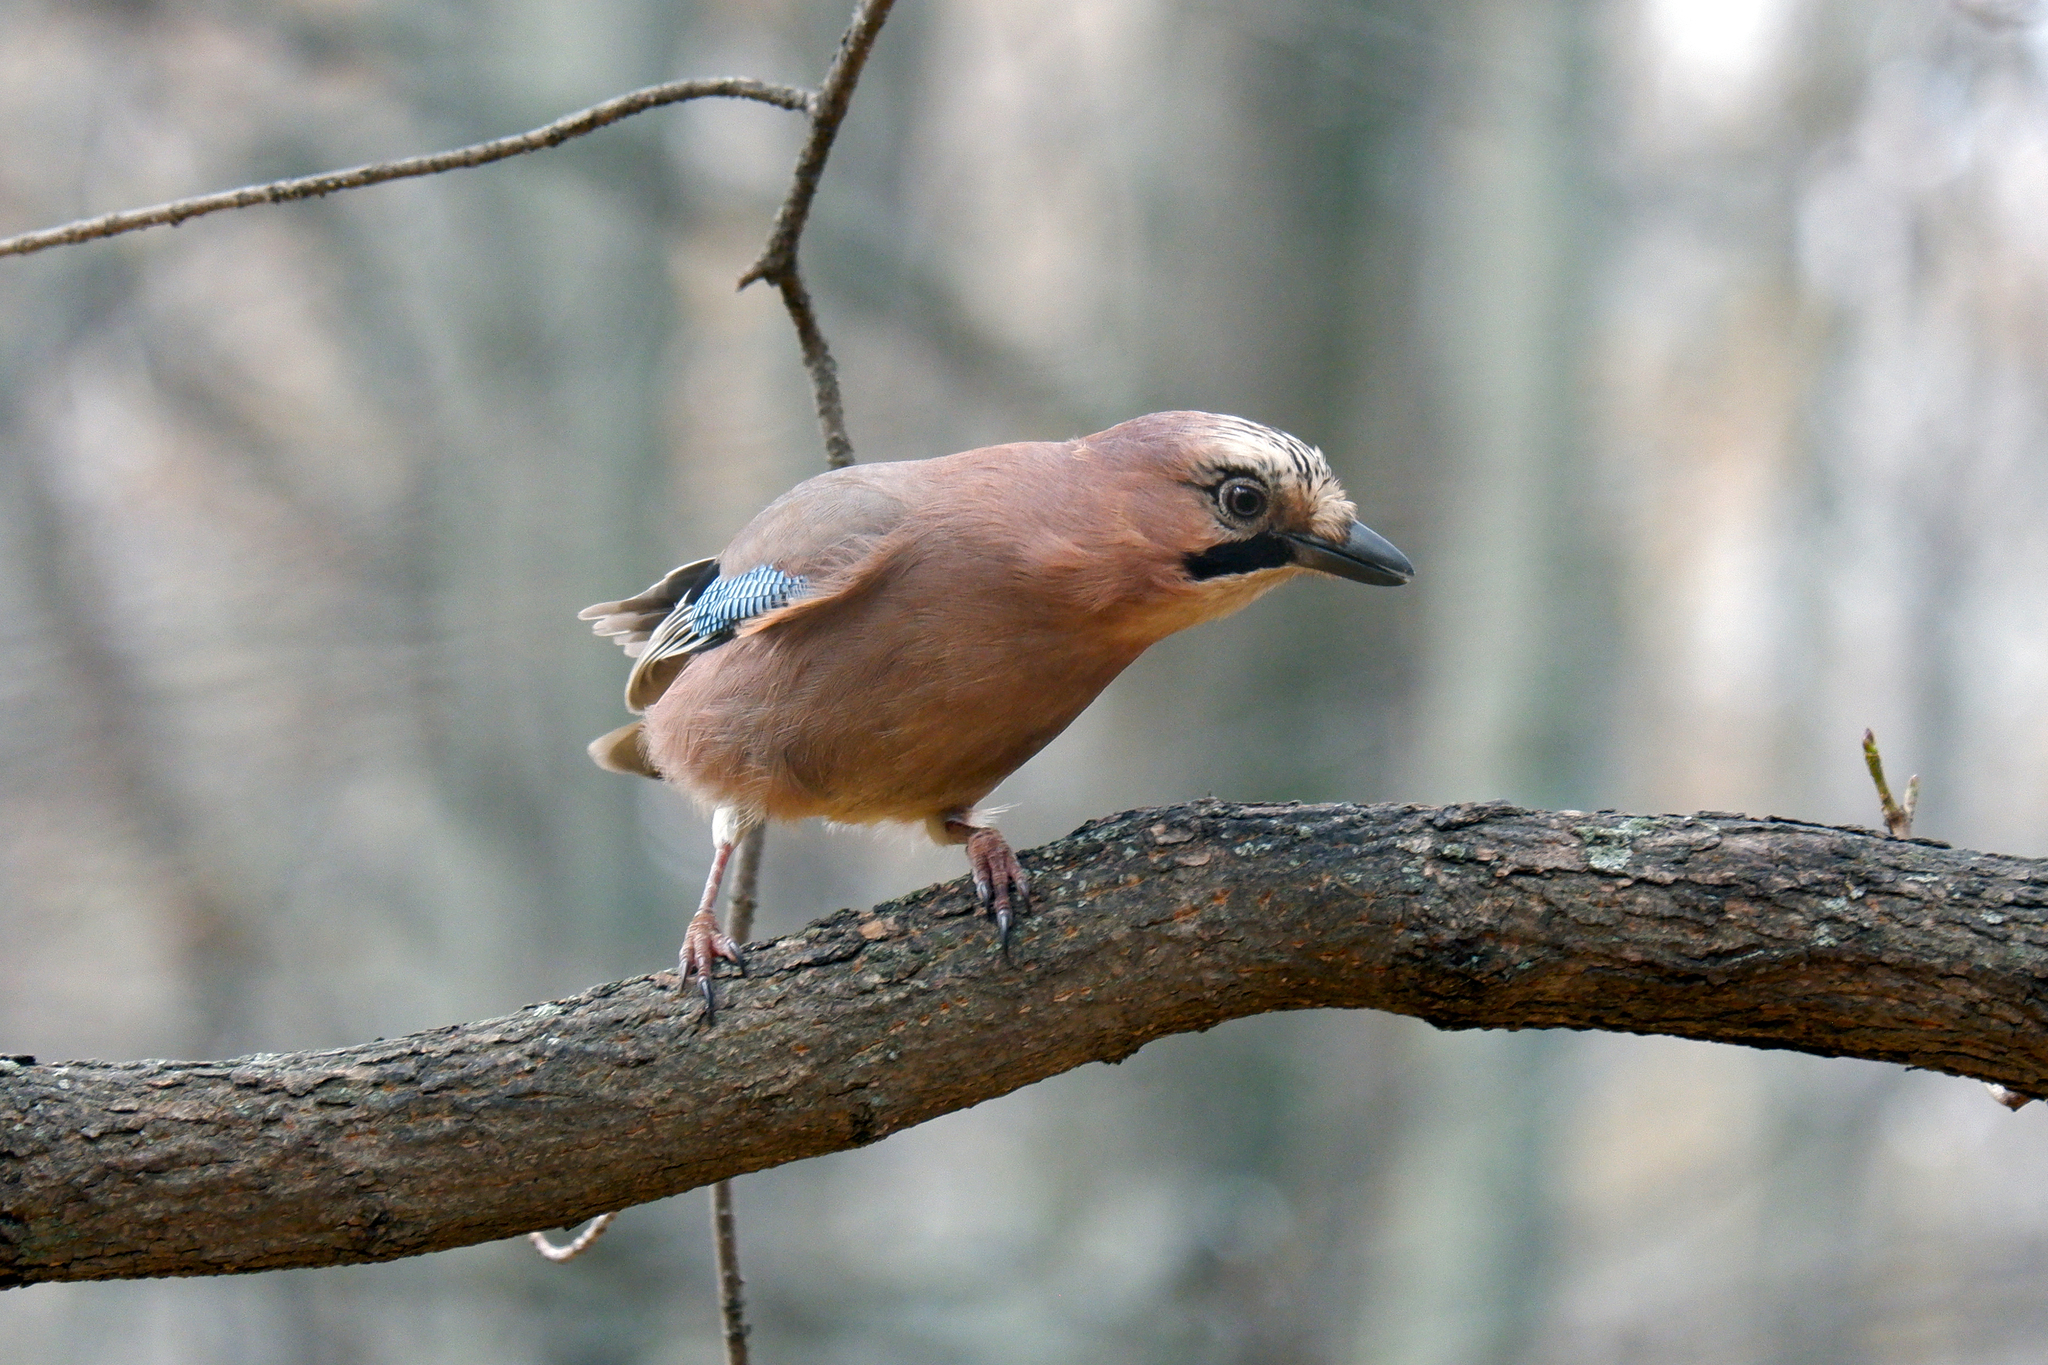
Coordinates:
(828,111)
(725,1241)
(745,898)
(778,262)
(826,108)
(481,154)
(732,1300)
(1766,932)
(824,373)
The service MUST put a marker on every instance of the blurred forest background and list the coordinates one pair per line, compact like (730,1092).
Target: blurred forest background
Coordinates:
(1696,350)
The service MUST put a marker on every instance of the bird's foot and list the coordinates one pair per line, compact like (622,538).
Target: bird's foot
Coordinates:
(998,878)
(703,944)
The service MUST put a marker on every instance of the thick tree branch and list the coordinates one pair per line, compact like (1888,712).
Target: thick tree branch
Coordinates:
(480,154)
(1771,933)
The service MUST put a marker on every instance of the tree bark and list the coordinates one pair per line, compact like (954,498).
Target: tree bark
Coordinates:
(1769,932)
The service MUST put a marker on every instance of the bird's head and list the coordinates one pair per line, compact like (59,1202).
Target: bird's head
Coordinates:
(1236,508)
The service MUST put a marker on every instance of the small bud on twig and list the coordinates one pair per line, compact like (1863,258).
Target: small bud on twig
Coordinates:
(1898,819)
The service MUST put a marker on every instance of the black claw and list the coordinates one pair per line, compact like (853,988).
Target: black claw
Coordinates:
(739,962)
(1004,921)
(710,1004)
(983,892)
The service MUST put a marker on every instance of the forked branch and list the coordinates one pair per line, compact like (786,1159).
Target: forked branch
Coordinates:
(778,261)
(377,173)
(825,108)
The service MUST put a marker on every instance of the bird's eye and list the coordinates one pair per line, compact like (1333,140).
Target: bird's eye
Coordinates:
(1243,499)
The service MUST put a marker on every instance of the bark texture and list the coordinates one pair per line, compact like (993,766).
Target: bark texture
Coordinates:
(1768,932)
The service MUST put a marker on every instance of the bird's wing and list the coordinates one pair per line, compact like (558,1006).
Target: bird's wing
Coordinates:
(634,620)
(810,546)
(705,620)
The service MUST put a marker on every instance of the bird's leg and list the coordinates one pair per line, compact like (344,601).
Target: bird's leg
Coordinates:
(997,874)
(704,942)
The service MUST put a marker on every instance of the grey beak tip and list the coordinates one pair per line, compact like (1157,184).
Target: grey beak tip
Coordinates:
(1366,556)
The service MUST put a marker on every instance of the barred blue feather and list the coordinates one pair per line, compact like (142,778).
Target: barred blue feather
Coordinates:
(726,603)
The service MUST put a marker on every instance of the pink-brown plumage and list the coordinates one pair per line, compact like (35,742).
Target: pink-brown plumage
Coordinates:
(955,614)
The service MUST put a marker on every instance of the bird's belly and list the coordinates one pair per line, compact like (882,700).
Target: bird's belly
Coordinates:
(794,724)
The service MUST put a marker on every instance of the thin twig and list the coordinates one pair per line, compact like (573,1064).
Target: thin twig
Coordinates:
(1898,818)
(732,1301)
(828,111)
(778,262)
(746,878)
(778,265)
(824,373)
(481,154)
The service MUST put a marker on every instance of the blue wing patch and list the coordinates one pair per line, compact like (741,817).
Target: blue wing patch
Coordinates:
(727,603)
(703,613)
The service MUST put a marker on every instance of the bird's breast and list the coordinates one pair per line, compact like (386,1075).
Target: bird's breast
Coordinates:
(889,710)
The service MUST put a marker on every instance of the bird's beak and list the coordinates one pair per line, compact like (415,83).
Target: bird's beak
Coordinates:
(1366,556)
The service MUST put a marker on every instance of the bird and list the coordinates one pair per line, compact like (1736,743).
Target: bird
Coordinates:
(887,642)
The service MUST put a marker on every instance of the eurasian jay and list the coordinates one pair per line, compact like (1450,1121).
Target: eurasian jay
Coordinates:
(887,642)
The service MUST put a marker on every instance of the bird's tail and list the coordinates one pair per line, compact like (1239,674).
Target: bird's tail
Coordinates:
(622,751)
